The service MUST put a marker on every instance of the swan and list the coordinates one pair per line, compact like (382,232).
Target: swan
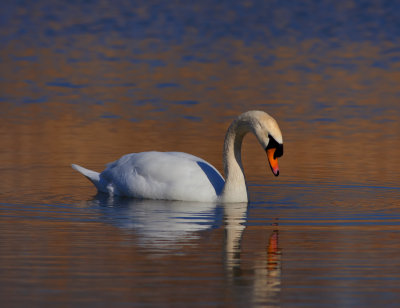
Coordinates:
(182,176)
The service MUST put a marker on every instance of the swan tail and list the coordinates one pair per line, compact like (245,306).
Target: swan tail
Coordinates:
(92,176)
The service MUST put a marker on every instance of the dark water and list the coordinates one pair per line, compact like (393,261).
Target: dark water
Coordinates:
(87,81)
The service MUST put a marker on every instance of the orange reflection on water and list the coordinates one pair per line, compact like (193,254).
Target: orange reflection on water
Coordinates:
(334,108)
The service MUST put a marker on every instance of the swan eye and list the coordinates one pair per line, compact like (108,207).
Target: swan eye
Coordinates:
(273,144)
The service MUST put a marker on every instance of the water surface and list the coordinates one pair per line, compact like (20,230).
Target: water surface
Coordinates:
(86,82)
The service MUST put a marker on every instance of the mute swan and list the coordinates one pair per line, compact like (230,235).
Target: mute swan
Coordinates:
(181,176)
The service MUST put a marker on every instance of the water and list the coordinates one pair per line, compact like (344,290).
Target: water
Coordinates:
(86,82)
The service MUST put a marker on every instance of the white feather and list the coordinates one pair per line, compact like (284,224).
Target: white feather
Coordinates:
(181,176)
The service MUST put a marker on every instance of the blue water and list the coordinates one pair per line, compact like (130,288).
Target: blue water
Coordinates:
(88,81)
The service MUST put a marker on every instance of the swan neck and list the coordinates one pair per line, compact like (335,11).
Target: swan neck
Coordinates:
(233,148)
(235,183)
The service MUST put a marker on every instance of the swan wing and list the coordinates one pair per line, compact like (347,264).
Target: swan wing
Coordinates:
(163,175)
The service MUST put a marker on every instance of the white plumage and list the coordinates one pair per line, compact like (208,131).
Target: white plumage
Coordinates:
(159,175)
(181,176)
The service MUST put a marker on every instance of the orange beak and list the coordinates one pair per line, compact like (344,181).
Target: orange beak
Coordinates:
(273,162)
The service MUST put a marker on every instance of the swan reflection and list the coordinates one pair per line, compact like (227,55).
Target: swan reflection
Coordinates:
(166,225)
(265,273)
(159,223)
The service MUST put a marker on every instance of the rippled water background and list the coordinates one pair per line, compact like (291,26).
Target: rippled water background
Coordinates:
(87,81)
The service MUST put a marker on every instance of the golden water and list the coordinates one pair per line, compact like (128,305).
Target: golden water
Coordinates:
(85,90)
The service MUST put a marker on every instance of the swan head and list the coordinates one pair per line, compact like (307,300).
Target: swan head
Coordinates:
(269,135)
